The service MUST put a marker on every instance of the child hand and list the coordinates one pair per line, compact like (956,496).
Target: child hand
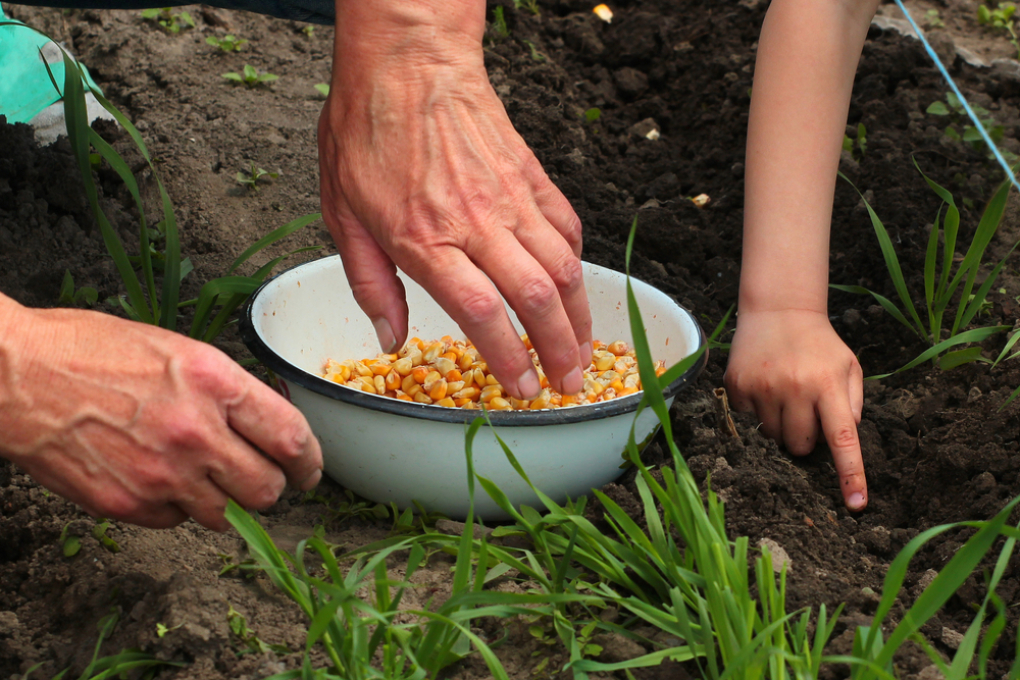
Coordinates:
(792,370)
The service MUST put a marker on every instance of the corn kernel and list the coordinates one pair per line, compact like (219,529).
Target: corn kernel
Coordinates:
(392,381)
(499,404)
(446,401)
(438,390)
(443,365)
(489,392)
(422,398)
(470,393)
(403,366)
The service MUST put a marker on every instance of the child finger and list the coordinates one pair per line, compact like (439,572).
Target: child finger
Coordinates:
(841,433)
(800,428)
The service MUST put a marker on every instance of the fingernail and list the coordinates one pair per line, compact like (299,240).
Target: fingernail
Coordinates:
(585,350)
(312,481)
(573,383)
(856,501)
(384,331)
(528,385)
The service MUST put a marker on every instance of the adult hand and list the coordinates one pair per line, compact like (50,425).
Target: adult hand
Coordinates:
(792,370)
(422,169)
(139,424)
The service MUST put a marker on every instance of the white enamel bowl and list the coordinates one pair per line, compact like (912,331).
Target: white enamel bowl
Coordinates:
(388,450)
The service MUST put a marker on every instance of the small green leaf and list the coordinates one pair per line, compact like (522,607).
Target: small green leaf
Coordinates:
(937,109)
(323,89)
(72,544)
(250,73)
(236,77)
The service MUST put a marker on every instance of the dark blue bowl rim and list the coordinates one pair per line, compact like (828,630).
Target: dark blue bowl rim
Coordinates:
(286,370)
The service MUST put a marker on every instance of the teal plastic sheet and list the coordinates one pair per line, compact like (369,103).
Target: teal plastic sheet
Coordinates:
(25,87)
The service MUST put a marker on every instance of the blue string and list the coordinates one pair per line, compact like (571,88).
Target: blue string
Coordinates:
(963,100)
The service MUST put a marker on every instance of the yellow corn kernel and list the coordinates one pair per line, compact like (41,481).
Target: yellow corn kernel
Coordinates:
(380,384)
(368,385)
(461,402)
(434,350)
(541,401)
(470,393)
(619,348)
(659,370)
(393,382)
(414,389)
(499,404)
(455,385)
(361,368)
(603,362)
(430,380)
(527,342)
(338,379)
(447,402)
(403,396)
(627,391)
(420,373)
(491,380)
(422,398)
(471,406)
(489,392)
(519,404)
(543,382)
(444,365)
(616,385)
(603,12)
(381,369)
(465,362)
(632,380)
(453,376)
(479,377)
(406,383)
(403,366)
(446,340)
(609,393)
(438,390)
(449,356)
(568,400)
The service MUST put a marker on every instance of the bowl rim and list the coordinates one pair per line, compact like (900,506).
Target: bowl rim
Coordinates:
(279,366)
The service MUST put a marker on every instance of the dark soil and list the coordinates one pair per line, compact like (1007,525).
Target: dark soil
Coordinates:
(937,446)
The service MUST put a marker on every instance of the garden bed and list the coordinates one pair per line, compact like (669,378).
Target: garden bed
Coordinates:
(936,446)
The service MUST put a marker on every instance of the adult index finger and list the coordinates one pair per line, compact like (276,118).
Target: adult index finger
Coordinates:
(840,430)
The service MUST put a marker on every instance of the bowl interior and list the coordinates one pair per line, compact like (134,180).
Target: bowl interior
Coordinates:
(308,314)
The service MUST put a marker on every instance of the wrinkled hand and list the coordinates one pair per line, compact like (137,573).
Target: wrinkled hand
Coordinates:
(422,169)
(138,424)
(793,371)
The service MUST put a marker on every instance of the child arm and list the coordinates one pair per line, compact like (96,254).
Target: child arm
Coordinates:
(787,363)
